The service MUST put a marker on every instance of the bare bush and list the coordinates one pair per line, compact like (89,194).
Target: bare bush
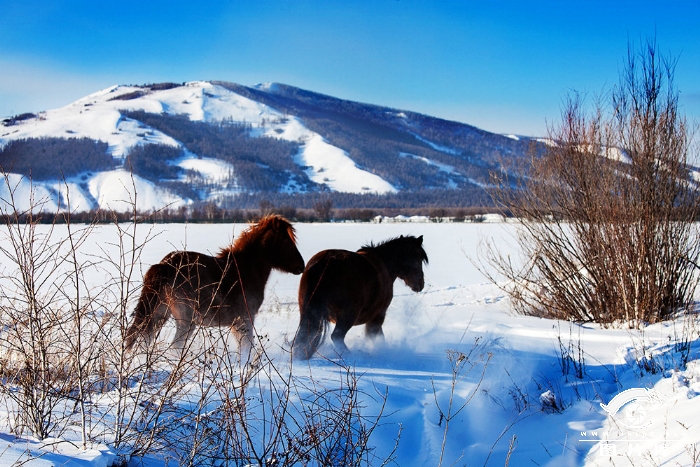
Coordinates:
(607,216)
(65,307)
(36,362)
(259,412)
(461,365)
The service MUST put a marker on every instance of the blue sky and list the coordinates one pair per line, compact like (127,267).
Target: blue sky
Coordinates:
(504,66)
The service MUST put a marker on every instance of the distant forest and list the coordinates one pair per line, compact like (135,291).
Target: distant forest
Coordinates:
(55,158)
(422,199)
(150,161)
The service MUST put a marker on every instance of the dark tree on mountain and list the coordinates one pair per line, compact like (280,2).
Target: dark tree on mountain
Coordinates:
(261,163)
(323,209)
(55,158)
(154,161)
(607,221)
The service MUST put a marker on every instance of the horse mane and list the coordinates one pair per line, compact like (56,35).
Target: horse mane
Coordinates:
(256,231)
(393,243)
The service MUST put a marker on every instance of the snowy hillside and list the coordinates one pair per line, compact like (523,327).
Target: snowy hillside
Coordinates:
(98,117)
(342,148)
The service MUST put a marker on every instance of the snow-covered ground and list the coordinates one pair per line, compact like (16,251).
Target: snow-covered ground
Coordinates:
(533,396)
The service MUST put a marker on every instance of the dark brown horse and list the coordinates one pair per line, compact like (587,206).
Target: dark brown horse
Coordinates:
(350,289)
(222,290)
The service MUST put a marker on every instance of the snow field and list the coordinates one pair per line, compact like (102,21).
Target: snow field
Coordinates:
(516,394)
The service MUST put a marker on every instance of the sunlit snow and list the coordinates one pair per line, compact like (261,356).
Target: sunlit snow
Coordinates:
(496,413)
(119,190)
(328,164)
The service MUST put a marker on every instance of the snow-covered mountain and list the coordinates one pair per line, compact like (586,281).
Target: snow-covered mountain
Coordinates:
(222,142)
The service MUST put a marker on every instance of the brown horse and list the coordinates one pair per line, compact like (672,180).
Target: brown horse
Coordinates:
(223,290)
(350,289)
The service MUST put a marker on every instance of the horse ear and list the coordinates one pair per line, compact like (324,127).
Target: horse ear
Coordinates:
(277,223)
(420,240)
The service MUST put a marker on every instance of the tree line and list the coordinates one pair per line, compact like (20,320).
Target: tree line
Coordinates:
(208,212)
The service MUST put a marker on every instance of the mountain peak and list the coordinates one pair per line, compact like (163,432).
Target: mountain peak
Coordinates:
(268,140)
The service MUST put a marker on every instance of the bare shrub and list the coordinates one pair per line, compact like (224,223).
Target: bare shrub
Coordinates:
(64,366)
(461,365)
(606,218)
(36,362)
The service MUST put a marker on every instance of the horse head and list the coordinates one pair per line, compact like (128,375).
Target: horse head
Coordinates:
(279,239)
(414,256)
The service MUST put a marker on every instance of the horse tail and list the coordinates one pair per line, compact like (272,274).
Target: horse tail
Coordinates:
(312,331)
(150,314)
(313,322)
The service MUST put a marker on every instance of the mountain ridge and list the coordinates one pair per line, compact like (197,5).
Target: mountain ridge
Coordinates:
(235,146)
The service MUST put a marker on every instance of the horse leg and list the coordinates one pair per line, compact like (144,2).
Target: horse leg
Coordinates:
(243,332)
(183,332)
(184,314)
(374,332)
(375,335)
(373,329)
(338,336)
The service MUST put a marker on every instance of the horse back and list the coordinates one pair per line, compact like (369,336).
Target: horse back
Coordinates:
(191,270)
(208,285)
(353,282)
